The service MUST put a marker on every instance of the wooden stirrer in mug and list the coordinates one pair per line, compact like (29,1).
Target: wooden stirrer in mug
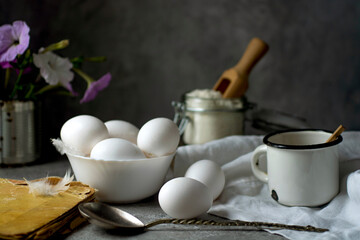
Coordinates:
(335,134)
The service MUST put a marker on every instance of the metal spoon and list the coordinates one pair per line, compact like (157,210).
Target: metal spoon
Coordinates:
(109,217)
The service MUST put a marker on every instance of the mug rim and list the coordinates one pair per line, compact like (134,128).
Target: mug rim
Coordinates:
(299,147)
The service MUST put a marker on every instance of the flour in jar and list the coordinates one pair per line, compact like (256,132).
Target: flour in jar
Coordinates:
(211,99)
(211,116)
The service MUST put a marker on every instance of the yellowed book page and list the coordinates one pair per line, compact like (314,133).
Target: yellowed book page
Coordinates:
(22,213)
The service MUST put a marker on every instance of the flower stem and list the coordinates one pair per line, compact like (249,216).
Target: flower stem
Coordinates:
(27,96)
(7,77)
(86,77)
(16,86)
(95,59)
(46,88)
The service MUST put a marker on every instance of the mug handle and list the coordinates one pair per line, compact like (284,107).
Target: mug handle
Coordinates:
(261,175)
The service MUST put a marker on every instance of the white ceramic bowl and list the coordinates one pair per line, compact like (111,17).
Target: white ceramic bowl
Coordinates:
(121,181)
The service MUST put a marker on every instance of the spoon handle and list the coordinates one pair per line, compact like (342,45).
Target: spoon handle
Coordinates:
(260,225)
(335,134)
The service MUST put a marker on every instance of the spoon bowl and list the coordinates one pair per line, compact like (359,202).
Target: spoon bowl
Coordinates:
(109,217)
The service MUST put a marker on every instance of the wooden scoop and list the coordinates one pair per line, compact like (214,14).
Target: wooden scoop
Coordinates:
(233,83)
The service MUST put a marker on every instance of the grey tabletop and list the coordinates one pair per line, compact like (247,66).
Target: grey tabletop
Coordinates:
(146,210)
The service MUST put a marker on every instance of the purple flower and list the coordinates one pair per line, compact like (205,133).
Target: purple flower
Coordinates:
(5,65)
(70,89)
(14,40)
(95,87)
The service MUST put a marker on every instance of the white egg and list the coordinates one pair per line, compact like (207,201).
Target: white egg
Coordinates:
(209,173)
(116,149)
(185,198)
(82,132)
(158,137)
(122,129)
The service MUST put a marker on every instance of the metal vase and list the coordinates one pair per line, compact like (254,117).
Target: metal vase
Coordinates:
(19,132)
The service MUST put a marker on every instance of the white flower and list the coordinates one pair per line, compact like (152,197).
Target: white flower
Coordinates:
(54,69)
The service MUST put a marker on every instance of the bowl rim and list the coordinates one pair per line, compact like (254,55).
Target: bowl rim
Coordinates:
(172,155)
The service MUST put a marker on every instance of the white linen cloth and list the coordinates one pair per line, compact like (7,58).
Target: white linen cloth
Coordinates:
(246,198)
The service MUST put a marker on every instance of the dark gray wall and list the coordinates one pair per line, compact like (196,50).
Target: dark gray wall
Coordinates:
(158,49)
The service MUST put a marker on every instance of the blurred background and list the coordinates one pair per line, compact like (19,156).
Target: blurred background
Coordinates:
(158,49)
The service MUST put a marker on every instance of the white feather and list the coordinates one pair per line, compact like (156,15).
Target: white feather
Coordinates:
(45,188)
(59,145)
(62,148)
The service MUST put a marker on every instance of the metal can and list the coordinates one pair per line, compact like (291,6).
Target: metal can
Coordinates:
(19,132)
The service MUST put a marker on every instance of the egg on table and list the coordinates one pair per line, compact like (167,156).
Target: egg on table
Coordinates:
(82,132)
(209,173)
(158,137)
(116,149)
(122,129)
(184,198)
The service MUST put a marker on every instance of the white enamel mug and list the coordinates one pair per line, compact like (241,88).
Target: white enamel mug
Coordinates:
(302,169)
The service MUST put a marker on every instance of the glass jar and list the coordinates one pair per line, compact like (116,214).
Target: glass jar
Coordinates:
(202,119)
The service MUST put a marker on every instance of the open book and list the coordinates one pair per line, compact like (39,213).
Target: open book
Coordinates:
(27,216)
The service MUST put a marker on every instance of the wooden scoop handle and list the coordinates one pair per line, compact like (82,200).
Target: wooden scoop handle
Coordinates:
(255,50)
(233,83)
